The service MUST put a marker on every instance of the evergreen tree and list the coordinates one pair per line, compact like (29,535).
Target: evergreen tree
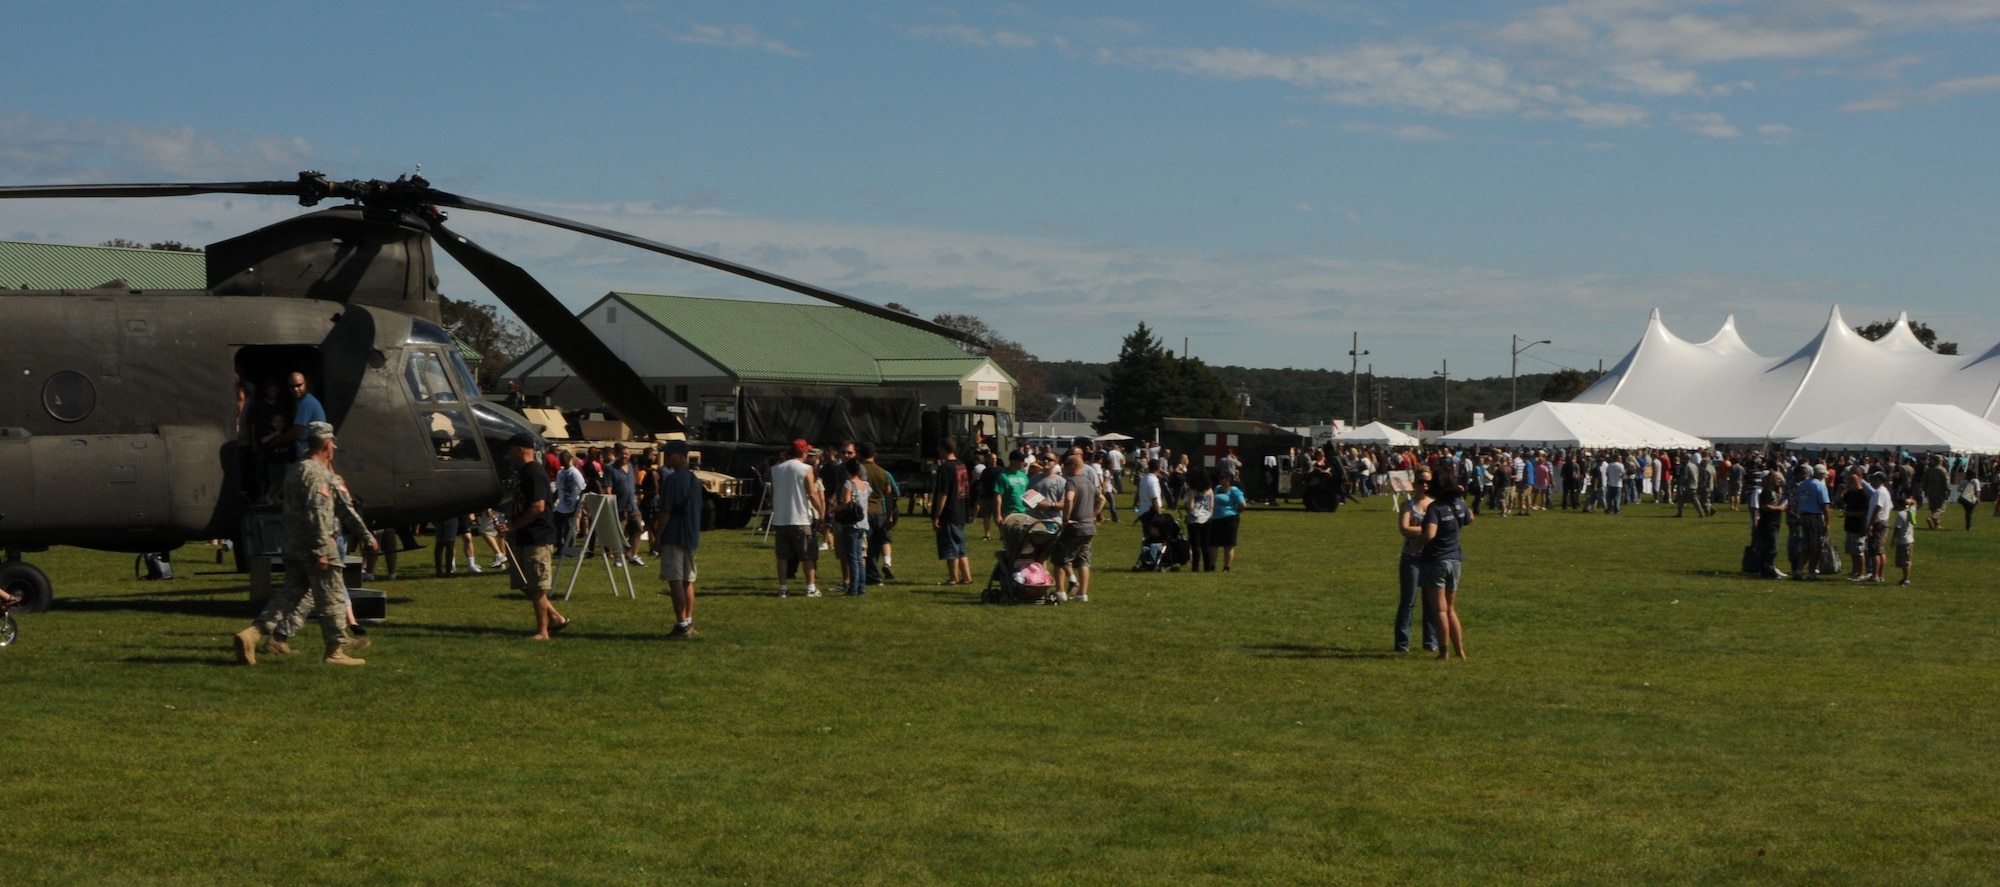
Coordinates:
(1149,382)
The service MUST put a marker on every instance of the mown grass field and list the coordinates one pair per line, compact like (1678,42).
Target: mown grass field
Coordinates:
(1633,711)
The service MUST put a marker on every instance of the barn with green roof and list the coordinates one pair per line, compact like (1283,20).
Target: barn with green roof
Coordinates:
(710,356)
(30,265)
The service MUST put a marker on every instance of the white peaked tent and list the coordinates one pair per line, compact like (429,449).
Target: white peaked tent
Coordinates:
(1594,425)
(1916,427)
(1376,433)
(1723,391)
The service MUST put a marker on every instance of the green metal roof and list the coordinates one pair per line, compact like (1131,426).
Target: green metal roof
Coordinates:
(784,342)
(901,369)
(49,266)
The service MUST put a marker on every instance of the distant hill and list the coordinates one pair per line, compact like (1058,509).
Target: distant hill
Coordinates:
(1311,397)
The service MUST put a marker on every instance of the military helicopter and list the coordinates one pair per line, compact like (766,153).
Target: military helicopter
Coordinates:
(121,411)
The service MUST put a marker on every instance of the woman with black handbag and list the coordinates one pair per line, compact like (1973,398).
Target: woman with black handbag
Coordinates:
(850,518)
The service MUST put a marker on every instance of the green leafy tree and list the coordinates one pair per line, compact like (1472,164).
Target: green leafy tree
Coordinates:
(172,246)
(1875,331)
(1148,382)
(1565,384)
(1032,400)
(497,337)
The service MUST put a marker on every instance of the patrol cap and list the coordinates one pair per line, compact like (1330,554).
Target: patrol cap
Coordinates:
(523,440)
(319,431)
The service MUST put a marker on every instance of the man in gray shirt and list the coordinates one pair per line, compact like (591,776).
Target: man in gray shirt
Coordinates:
(1081,504)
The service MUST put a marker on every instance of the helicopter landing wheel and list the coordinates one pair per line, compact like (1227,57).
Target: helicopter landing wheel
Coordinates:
(7,628)
(27,582)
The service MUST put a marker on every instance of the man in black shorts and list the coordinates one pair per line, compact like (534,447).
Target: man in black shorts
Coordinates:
(796,502)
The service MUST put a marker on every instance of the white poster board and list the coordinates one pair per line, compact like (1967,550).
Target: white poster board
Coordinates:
(608,535)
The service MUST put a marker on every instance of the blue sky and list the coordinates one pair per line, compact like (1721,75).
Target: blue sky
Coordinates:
(1262,178)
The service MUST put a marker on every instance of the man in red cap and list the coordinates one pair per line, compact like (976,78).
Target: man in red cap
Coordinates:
(796,503)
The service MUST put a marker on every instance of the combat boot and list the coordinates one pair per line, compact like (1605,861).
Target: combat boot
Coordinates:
(246,645)
(274,646)
(354,644)
(336,654)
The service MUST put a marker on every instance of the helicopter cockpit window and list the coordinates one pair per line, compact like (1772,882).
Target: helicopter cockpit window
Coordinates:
(69,396)
(427,378)
(466,381)
(451,435)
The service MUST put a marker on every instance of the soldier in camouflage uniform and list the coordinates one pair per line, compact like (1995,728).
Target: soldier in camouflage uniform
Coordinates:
(302,607)
(313,518)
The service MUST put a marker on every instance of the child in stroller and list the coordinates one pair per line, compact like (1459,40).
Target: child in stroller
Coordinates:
(1020,575)
(1161,545)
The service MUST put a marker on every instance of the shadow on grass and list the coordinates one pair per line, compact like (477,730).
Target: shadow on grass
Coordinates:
(527,628)
(221,660)
(204,602)
(1317,651)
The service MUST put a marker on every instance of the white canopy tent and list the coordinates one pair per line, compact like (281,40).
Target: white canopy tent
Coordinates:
(1915,427)
(1723,391)
(1377,434)
(1593,425)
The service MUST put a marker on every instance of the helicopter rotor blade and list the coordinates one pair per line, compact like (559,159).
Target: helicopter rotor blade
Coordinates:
(580,349)
(293,188)
(445,199)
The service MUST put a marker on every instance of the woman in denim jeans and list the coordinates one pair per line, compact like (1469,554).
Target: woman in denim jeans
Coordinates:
(854,536)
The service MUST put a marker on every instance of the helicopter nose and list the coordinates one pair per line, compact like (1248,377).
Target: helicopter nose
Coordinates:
(497,425)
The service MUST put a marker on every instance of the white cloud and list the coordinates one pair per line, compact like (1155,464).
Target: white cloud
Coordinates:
(1701,39)
(1962,86)
(1776,133)
(734,37)
(1652,77)
(1413,77)
(34,149)
(1607,116)
(1406,133)
(1060,297)
(1707,123)
(972,36)
(1933,94)
(1012,40)
(1068,299)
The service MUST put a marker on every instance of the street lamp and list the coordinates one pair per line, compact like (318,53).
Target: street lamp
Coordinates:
(1515,368)
(1446,373)
(1354,376)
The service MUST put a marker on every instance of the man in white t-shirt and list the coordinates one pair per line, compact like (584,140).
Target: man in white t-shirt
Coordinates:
(1149,489)
(1881,509)
(796,503)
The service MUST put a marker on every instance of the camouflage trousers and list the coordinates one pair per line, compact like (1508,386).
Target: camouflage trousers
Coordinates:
(308,592)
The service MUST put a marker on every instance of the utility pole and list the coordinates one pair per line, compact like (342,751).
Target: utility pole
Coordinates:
(1446,373)
(1514,370)
(1354,355)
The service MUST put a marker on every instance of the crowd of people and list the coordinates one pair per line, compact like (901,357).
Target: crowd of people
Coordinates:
(840,498)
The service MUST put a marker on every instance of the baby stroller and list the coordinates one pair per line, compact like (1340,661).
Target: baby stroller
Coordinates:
(1161,545)
(1020,575)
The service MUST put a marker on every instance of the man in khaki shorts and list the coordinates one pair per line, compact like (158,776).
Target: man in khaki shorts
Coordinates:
(680,533)
(531,523)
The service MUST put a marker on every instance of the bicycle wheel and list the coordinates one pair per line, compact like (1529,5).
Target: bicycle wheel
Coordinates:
(7,628)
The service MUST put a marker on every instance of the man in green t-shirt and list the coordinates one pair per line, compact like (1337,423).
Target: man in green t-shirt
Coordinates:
(881,553)
(1013,483)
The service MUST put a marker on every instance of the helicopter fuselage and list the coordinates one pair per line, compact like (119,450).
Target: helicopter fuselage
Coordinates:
(123,413)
